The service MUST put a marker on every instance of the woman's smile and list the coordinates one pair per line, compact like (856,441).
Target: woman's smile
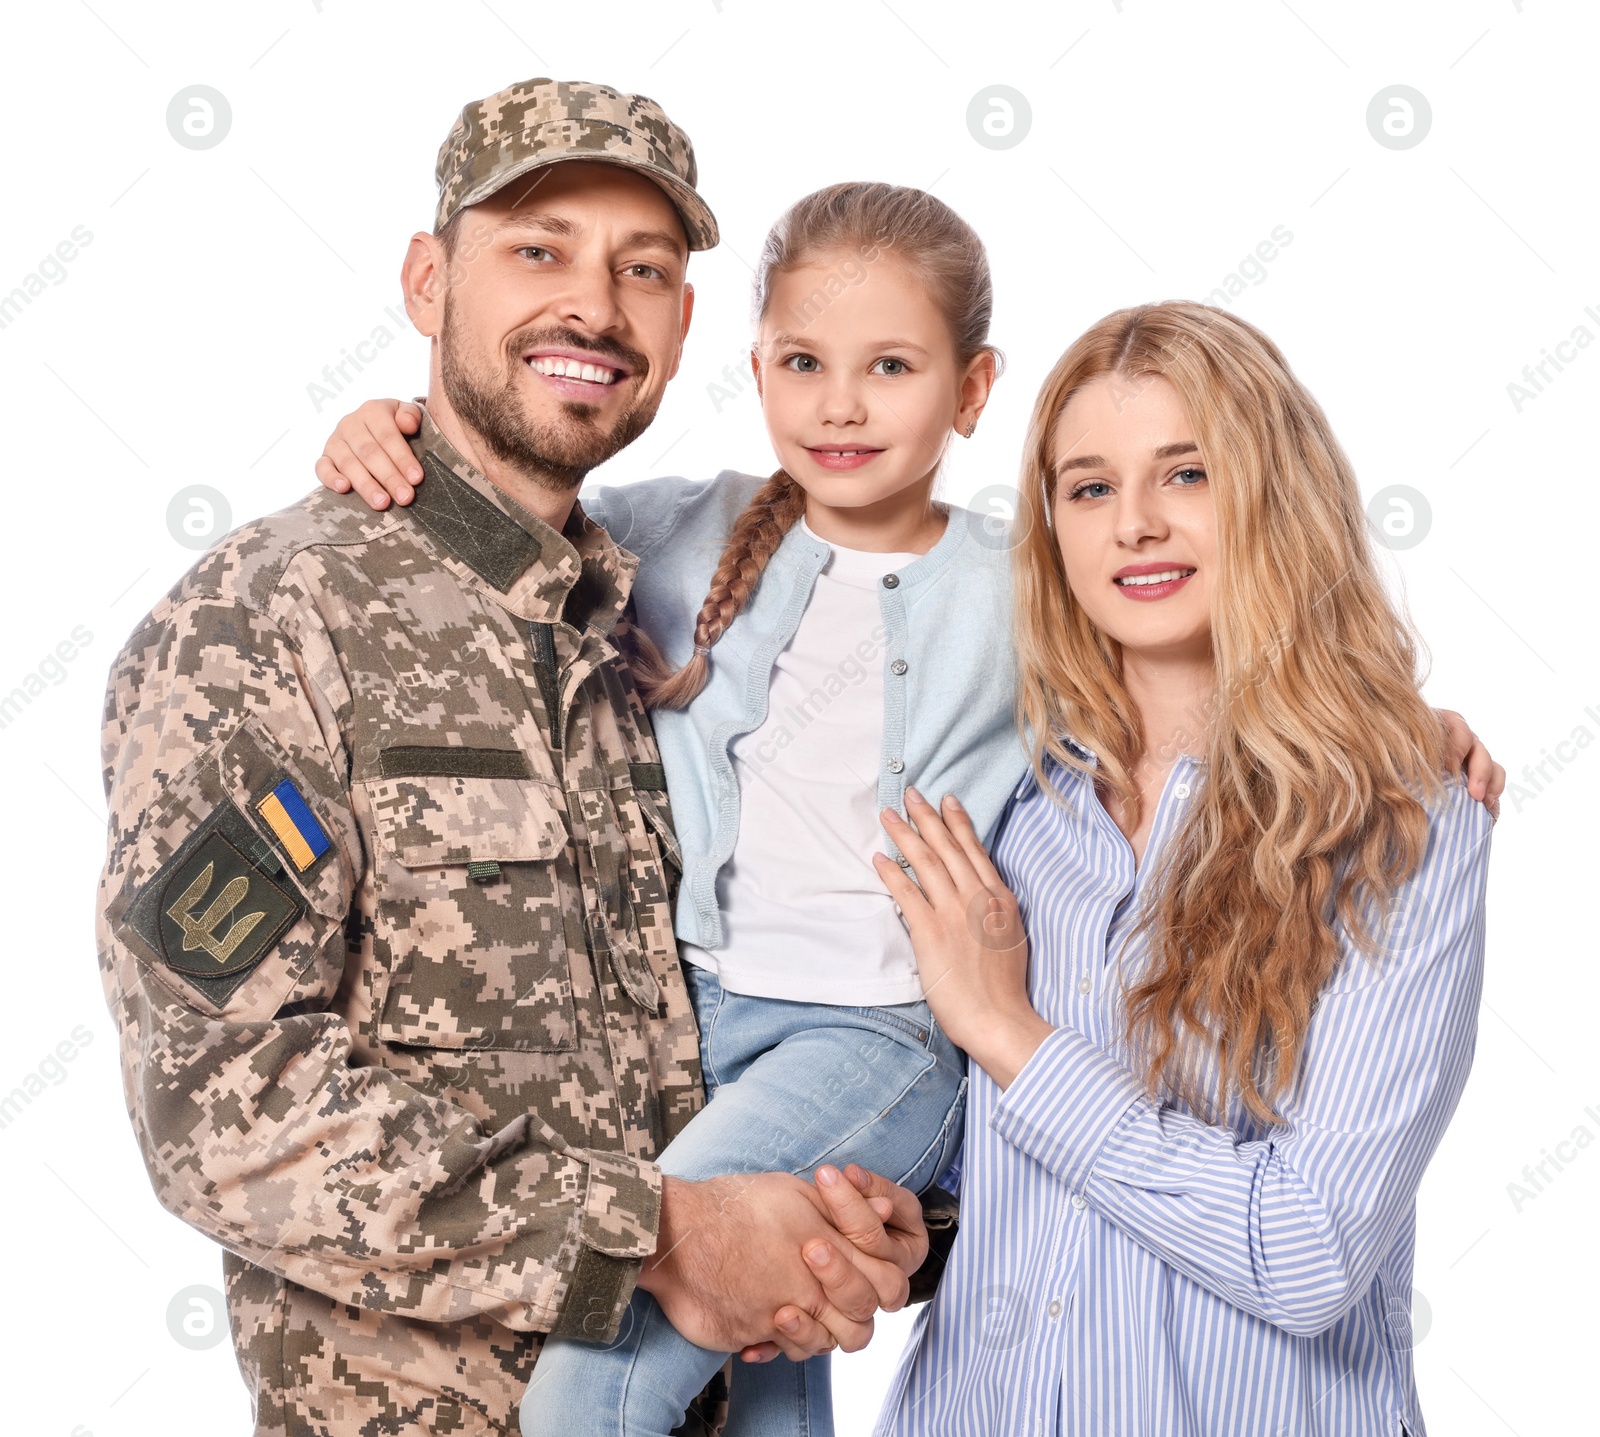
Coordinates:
(1148,582)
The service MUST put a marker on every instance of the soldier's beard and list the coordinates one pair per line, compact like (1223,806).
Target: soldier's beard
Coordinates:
(555,455)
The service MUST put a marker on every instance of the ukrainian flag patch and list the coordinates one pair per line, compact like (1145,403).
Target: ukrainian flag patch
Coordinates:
(294,825)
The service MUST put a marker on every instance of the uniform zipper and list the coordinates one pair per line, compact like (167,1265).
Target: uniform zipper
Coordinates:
(547,671)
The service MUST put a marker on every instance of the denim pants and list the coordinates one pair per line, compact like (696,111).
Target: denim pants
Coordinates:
(792,1086)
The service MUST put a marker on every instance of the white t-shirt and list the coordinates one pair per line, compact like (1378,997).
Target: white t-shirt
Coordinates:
(804,915)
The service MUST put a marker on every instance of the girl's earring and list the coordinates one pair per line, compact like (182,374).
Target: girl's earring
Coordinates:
(972,424)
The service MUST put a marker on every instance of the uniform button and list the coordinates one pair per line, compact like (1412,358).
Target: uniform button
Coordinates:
(1084,985)
(1055,1308)
(891,581)
(1079,1201)
(896,765)
(899,666)
(1180,790)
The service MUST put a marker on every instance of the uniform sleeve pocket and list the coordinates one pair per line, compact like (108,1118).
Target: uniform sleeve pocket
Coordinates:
(475,890)
(300,812)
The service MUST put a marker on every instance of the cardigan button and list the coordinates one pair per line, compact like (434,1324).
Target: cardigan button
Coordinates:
(891,581)
(899,666)
(896,765)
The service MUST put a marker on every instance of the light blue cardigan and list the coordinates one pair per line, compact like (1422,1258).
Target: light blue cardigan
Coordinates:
(949,671)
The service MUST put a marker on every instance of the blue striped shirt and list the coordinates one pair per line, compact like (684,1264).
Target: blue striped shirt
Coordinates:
(1125,1268)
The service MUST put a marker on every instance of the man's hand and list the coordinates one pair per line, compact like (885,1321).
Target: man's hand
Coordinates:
(888,1242)
(1486,780)
(733,1250)
(884,1224)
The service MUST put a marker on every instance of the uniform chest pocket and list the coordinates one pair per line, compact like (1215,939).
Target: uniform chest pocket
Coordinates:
(474,890)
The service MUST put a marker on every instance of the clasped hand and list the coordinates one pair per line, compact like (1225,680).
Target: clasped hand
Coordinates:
(770,1263)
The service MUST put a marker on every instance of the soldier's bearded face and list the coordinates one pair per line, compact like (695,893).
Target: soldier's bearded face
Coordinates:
(557,442)
(563,317)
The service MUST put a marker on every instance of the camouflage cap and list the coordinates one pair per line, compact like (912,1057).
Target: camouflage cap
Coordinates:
(542,122)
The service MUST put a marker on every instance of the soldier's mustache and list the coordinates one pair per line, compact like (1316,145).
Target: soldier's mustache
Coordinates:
(621,356)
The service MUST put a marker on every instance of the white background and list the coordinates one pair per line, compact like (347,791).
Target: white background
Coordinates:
(1167,140)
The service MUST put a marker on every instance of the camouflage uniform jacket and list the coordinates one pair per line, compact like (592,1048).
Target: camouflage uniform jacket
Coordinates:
(385,927)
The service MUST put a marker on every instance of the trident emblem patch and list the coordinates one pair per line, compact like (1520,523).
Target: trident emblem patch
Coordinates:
(218,913)
(201,932)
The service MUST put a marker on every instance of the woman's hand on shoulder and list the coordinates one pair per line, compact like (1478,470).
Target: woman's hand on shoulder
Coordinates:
(367,452)
(972,952)
(1486,780)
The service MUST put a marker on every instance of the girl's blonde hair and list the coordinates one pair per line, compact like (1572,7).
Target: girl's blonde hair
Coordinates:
(1319,748)
(859,222)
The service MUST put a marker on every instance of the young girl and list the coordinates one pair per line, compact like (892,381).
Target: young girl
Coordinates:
(1199,1116)
(827,637)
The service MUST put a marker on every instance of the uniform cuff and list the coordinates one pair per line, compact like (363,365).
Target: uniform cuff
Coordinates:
(622,1205)
(1065,1103)
(617,1231)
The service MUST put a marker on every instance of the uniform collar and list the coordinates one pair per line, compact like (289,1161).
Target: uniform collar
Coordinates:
(578,575)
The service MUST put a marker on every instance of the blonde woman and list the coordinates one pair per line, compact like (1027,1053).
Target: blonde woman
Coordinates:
(1219,985)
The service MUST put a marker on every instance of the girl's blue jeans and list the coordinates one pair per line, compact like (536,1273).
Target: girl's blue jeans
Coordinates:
(792,1086)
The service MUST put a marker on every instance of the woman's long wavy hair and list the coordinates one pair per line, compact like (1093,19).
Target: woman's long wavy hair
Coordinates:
(1319,748)
(858,221)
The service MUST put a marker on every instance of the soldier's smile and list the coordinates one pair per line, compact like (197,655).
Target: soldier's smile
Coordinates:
(576,373)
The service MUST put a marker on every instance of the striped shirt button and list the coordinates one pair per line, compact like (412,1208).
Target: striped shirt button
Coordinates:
(1180,790)
(1084,985)
(1079,1201)
(1055,1308)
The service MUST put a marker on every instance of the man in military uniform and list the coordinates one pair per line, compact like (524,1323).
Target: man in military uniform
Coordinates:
(384,921)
